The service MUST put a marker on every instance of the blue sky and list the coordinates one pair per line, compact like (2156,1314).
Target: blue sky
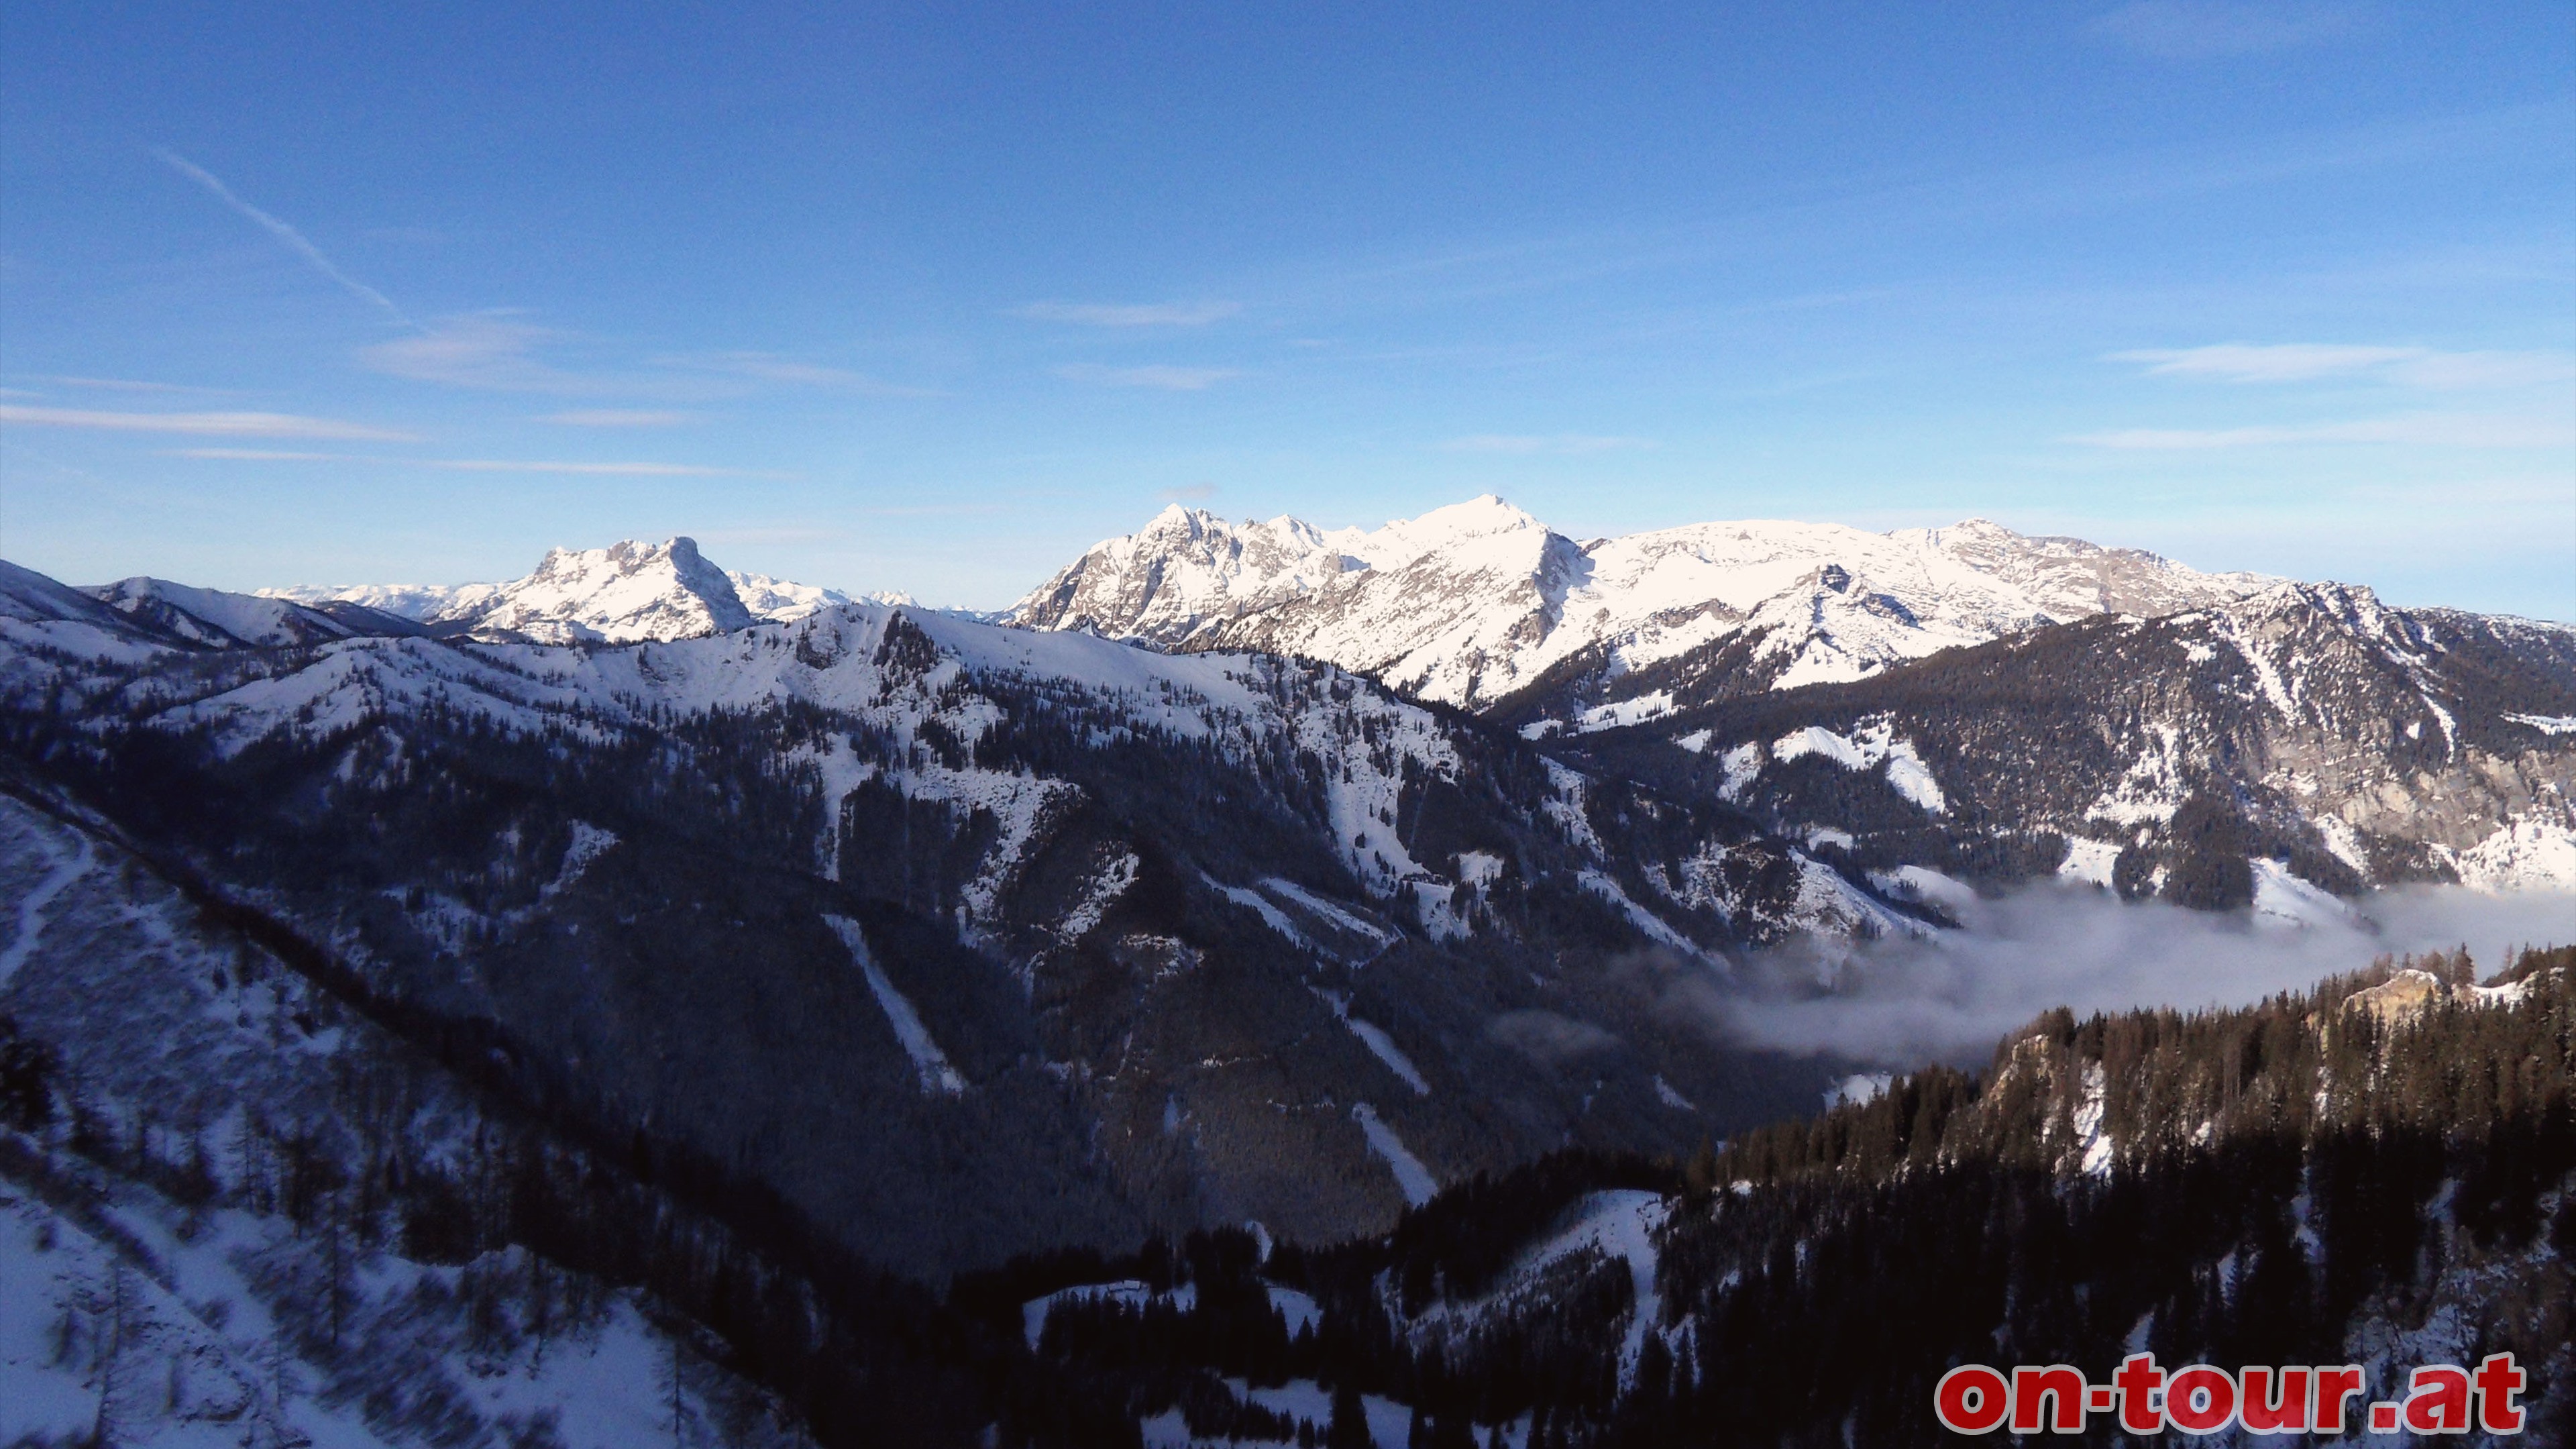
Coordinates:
(932,297)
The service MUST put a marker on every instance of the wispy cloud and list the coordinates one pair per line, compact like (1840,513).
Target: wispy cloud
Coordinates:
(1171,379)
(294,240)
(127,384)
(770,367)
(501,352)
(618,418)
(487,350)
(262,455)
(1559,444)
(1145,314)
(2214,29)
(482,465)
(2439,430)
(617,470)
(236,425)
(2265,362)
(1194,493)
(2421,367)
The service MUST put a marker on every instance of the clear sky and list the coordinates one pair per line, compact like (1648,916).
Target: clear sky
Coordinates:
(931,297)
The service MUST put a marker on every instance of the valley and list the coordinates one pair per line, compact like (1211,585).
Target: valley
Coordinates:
(774,993)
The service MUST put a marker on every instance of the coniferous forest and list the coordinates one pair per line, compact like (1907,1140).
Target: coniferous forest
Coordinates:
(2323,1178)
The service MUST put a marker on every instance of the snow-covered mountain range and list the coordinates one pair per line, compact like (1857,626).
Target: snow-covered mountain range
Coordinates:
(2345,744)
(1479,604)
(1071,874)
(960,940)
(626,592)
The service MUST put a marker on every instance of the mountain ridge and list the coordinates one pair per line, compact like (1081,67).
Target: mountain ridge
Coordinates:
(628,591)
(1474,604)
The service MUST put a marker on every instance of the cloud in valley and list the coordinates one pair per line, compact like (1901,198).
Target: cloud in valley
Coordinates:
(1544,1036)
(1903,1003)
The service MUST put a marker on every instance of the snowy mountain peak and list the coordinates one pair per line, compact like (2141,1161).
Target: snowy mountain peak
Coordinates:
(1474,603)
(1483,516)
(631,590)
(1185,569)
(627,591)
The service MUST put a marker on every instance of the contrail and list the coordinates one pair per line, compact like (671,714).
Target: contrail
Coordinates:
(294,239)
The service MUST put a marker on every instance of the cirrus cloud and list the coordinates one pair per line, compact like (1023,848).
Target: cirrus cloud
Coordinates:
(1147,314)
(769,367)
(1559,444)
(208,424)
(2438,430)
(617,418)
(1170,379)
(2420,367)
(480,465)
(2213,29)
(491,351)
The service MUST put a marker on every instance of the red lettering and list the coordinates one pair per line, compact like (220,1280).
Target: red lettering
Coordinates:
(2200,1399)
(2061,1382)
(2498,1381)
(2263,1411)
(1971,1399)
(2138,1380)
(2437,1400)
(2336,1387)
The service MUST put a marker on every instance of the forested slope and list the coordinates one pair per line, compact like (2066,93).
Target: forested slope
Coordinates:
(2377,1172)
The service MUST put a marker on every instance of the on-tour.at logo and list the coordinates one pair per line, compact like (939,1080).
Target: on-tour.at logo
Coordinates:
(2200,1399)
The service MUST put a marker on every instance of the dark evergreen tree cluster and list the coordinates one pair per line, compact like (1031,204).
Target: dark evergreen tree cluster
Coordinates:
(2228,1187)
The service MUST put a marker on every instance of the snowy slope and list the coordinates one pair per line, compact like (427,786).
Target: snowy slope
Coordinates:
(1366,742)
(1471,604)
(163,1293)
(2192,754)
(213,617)
(781,601)
(1136,863)
(41,619)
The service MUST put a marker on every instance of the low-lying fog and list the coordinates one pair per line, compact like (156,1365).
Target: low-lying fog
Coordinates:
(1901,1003)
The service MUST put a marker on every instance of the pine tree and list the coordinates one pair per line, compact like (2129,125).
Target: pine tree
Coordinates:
(1349,1429)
